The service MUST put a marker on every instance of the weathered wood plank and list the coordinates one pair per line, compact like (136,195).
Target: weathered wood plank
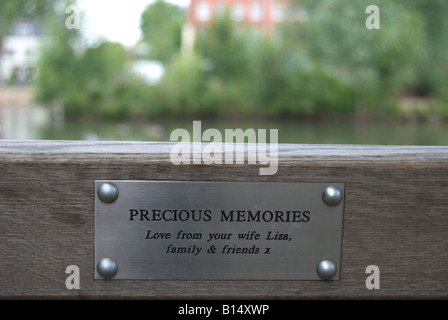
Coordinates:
(396,217)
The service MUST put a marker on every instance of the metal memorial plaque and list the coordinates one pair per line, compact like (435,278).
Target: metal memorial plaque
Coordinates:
(168,230)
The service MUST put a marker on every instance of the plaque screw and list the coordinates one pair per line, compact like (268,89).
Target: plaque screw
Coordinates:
(108,192)
(326,269)
(332,196)
(107,268)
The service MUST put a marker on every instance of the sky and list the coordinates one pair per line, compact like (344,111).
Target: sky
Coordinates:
(114,20)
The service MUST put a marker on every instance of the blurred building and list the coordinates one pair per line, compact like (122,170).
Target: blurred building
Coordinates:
(20,51)
(263,15)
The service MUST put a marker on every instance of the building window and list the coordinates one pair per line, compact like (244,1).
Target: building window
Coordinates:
(220,9)
(238,11)
(22,29)
(277,14)
(25,28)
(203,11)
(7,52)
(302,15)
(256,11)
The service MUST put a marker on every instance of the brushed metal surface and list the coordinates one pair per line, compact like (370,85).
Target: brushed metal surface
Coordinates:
(187,230)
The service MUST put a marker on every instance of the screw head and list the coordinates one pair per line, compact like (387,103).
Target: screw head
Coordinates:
(332,196)
(107,268)
(108,192)
(326,269)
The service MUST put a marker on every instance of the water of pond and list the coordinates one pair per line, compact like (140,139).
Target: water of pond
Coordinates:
(288,132)
(35,123)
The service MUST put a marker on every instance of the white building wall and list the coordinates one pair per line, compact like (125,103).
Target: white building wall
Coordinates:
(20,54)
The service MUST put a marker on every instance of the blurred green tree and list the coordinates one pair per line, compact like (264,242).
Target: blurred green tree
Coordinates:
(180,89)
(224,46)
(330,64)
(237,70)
(377,63)
(102,70)
(432,67)
(161,25)
(283,81)
(59,68)
(82,80)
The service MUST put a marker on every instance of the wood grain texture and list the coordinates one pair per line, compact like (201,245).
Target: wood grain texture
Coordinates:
(395,217)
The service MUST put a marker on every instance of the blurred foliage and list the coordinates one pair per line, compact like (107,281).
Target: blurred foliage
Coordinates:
(225,49)
(377,63)
(237,70)
(161,25)
(432,67)
(181,87)
(327,65)
(58,77)
(85,81)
